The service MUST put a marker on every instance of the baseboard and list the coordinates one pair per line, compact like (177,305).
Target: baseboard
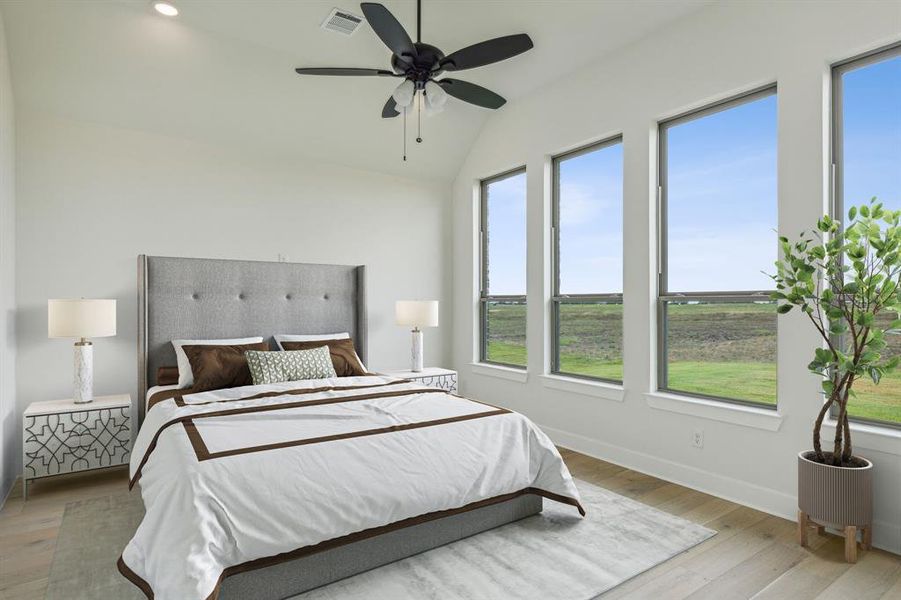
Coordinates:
(885,535)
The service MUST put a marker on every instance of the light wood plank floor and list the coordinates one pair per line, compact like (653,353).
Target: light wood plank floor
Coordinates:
(754,555)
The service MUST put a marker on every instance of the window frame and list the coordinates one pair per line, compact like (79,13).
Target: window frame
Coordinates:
(836,158)
(664,295)
(484,297)
(557,298)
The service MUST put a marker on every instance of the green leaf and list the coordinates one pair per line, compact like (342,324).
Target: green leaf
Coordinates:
(865,319)
(837,327)
(852,212)
(783,308)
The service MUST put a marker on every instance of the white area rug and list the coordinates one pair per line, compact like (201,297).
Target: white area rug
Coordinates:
(552,556)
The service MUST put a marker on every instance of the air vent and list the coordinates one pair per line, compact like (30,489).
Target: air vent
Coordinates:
(342,22)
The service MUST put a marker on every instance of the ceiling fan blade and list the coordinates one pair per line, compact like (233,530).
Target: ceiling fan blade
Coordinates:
(472,93)
(389,30)
(344,72)
(389,111)
(485,53)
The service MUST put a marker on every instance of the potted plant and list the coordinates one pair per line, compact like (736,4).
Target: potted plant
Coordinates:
(846,281)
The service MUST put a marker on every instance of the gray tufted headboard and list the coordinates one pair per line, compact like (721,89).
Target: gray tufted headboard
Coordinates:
(197,298)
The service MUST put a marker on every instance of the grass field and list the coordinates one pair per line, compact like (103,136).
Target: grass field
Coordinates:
(725,350)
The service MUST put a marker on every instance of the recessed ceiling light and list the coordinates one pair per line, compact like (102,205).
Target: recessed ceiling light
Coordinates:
(165,8)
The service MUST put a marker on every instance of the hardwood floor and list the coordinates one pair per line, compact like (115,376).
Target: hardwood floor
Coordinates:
(754,555)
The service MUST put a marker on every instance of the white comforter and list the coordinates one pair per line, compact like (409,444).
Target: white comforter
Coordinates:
(227,480)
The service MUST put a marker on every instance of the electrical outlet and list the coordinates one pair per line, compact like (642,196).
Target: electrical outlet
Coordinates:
(697,439)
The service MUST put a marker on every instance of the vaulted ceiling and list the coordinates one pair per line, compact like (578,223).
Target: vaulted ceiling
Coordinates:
(222,71)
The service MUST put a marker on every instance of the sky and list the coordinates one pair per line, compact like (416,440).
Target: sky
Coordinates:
(872,134)
(722,195)
(721,200)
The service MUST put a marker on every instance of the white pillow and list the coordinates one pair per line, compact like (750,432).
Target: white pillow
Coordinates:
(185,375)
(309,338)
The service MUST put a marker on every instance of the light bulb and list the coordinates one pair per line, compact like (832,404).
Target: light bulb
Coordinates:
(165,8)
(431,110)
(403,95)
(435,95)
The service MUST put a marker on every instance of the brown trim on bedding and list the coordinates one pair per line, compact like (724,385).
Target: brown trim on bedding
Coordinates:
(180,401)
(194,436)
(137,580)
(269,407)
(358,536)
(203,453)
(164,395)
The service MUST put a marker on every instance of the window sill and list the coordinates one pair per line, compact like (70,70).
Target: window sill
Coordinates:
(508,373)
(868,437)
(596,389)
(748,416)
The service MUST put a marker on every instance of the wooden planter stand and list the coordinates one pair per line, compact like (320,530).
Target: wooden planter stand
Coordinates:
(850,532)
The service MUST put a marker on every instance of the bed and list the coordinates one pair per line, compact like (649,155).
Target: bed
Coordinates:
(266,491)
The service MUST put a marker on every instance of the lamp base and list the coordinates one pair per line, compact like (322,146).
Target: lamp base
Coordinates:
(84,372)
(416,352)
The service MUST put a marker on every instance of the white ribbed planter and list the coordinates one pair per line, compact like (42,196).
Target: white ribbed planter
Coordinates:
(835,496)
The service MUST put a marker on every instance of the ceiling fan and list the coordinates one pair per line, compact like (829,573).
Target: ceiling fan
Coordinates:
(418,64)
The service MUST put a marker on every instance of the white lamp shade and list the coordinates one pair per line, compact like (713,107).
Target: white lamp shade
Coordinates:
(436,95)
(82,318)
(417,313)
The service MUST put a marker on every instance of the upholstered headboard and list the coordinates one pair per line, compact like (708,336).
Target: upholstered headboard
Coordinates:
(197,298)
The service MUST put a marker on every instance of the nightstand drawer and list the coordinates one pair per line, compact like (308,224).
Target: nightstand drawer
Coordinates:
(446,382)
(444,379)
(88,437)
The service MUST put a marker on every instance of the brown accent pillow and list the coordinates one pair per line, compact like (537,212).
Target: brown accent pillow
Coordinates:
(344,356)
(167,376)
(217,367)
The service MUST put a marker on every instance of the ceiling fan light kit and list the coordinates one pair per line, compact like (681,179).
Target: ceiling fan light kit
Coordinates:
(403,95)
(419,64)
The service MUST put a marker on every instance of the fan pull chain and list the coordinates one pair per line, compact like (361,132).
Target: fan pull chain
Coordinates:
(405,134)
(419,118)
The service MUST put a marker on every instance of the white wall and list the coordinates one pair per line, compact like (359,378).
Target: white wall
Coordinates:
(710,55)
(91,198)
(8,416)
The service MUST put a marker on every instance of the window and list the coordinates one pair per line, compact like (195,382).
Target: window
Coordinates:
(866,155)
(587,304)
(502,299)
(718,212)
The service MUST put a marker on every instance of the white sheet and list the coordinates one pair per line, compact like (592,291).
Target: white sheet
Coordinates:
(218,495)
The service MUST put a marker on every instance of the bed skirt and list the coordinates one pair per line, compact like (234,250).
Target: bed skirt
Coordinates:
(298,575)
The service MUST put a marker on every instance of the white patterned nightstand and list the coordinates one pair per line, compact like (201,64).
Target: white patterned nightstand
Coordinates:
(60,436)
(436,377)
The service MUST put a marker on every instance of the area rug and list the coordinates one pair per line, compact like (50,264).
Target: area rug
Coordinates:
(552,556)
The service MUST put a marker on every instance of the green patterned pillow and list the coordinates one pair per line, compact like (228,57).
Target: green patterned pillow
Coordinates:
(294,365)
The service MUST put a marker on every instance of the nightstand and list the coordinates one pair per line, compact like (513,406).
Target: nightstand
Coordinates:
(435,377)
(60,436)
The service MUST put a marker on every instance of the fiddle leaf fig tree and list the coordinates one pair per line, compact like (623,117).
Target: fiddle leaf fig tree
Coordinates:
(842,280)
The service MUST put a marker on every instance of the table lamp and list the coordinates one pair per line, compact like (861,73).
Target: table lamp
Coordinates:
(416,313)
(82,319)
